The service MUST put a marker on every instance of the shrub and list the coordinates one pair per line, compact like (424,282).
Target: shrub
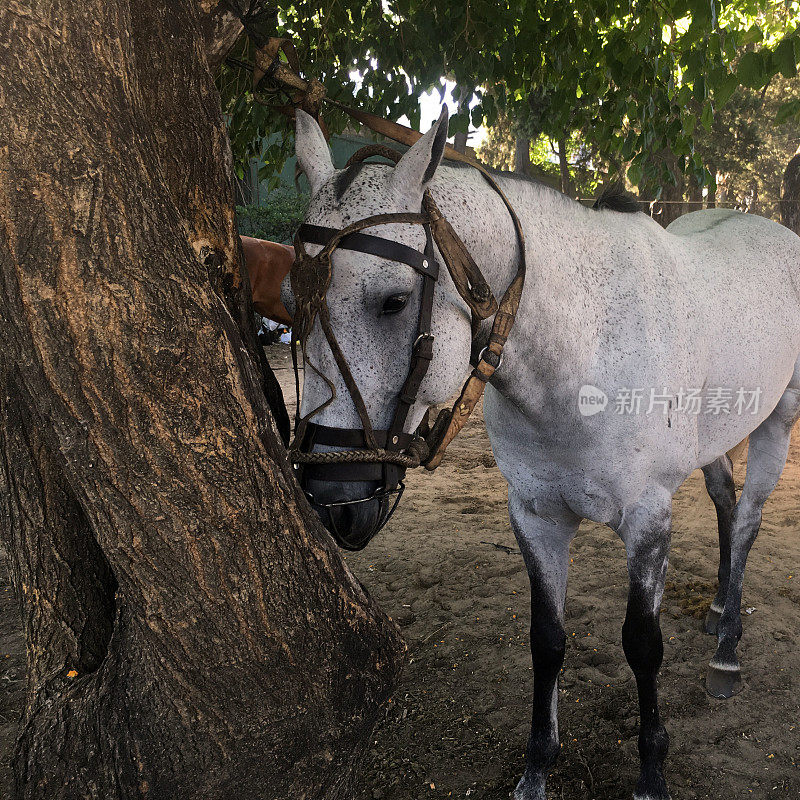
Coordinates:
(277,219)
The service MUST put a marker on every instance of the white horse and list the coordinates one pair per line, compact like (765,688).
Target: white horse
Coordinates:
(614,307)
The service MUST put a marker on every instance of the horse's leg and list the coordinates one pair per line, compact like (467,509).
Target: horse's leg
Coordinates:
(544,542)
(645,529)
(722,490)
(769,446)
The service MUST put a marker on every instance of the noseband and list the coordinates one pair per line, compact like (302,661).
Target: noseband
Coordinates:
(384,455)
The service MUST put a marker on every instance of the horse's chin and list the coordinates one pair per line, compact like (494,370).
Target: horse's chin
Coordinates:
(353,523)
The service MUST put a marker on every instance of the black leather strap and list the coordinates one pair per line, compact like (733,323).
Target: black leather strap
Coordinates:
(374,246)
(348,437)
(421,356)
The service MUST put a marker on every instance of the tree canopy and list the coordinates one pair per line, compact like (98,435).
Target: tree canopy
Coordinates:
(635,78)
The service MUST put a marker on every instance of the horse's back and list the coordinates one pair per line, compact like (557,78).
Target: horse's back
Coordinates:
(727,228)
(701,221)
(738,259)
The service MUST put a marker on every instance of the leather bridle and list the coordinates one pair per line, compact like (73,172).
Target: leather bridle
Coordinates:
(367,454)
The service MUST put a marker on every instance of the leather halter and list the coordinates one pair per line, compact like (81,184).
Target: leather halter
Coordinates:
(384,455)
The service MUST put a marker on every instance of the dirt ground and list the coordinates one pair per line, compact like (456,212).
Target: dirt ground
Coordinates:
(447,569)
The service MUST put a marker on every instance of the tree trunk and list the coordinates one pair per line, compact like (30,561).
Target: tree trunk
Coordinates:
(670,205)
(790,197)
(191,630)
(563,162)
(220,28)
(522,155)
(711,200)
(695,195)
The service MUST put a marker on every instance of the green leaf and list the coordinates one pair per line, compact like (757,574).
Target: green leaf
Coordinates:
(634,174)
(751,36)
(751,70)
(785,59)
(726,90)
(700,93)
(717,77)
(787,111)
(707,117)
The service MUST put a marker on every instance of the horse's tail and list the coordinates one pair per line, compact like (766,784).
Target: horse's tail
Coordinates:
(737,452)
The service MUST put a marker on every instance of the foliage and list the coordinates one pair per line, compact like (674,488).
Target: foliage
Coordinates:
(586,166)
(277,220)
(749,153)
(634,78)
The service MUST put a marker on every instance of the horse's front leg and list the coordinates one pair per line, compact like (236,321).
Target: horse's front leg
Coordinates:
(645,529)
(544,542)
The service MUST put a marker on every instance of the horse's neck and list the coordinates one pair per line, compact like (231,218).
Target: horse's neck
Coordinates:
(555,313)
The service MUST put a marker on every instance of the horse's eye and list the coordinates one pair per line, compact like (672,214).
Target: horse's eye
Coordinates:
(395,303)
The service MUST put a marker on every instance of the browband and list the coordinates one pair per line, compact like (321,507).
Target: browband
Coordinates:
(374,246)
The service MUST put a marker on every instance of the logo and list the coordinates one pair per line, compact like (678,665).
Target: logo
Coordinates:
(591,400)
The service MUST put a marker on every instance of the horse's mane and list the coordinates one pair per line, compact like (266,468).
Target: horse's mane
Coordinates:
(615,198)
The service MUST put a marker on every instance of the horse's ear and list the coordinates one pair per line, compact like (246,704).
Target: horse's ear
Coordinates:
(313,153)
(416,168)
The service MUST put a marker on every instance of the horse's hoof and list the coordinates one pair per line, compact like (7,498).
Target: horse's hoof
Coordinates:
(724,682)
(712,621)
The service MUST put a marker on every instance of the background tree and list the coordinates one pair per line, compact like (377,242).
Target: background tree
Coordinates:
(790,200)
(191,630)
(747,150)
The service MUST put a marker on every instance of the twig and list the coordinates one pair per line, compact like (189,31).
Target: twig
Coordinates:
(431,635)
(505,548)
(588,771)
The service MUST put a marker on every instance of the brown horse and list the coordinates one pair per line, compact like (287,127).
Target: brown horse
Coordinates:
(268,263)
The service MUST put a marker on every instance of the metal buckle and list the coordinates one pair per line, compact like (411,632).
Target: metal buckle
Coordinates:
(420,338)
(499,359)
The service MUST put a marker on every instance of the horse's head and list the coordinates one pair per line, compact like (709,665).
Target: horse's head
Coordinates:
(374,305)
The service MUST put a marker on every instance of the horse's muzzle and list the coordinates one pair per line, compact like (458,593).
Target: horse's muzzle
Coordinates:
(352,511)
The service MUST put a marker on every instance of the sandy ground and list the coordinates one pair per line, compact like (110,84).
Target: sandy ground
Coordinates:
(447,569)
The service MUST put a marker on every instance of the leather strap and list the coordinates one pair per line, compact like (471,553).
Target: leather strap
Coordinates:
(421,355)
(349,437)
(387,474)
(374,246)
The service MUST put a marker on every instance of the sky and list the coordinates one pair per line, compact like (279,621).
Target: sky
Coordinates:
(430,107)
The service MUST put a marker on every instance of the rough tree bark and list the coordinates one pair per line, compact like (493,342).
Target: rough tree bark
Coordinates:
(220,28)
(522,155)
(191,629)
(790,197)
